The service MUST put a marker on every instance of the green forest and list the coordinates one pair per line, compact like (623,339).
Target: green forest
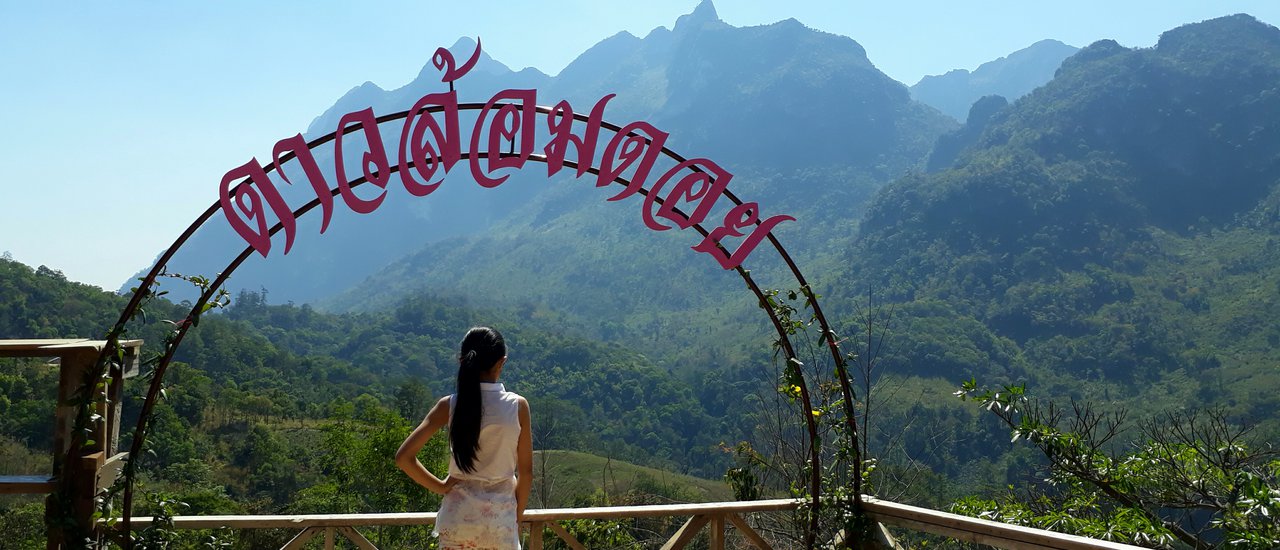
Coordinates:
(296,411)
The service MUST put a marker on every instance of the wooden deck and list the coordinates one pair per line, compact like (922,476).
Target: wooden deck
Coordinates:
(714,517)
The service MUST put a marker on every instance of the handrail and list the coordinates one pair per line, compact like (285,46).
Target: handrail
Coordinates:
(715,514)
(981,531)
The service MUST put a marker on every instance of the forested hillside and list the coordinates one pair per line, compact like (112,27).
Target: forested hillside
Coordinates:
(1112,235)
(279,408)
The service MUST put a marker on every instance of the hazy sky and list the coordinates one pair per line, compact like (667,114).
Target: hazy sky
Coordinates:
(121,117)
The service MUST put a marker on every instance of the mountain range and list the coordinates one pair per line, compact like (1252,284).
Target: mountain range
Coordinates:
(1010,77)
(1042,223)
(1109,235)
(1113,230)
(791,111)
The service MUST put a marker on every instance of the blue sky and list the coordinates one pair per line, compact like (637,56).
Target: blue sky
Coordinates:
(122,116)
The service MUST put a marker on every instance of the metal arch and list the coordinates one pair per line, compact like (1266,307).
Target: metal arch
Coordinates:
(828,334)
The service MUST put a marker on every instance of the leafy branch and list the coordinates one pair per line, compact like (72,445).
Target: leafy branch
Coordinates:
(1191,464)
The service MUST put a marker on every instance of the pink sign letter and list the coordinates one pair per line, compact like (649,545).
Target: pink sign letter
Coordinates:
(248,201)
(374,162)
(511,120)
(740,217)
(298,147)
(705,184)
(560,122)
(630,146)
(427,158)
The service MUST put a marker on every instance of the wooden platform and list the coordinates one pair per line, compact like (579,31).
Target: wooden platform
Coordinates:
(56,347)
(26,485)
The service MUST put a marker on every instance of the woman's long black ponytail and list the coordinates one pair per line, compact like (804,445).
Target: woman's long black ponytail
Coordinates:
(482,348)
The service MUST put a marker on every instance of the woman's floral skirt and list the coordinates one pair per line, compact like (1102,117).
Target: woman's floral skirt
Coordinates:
(479,514)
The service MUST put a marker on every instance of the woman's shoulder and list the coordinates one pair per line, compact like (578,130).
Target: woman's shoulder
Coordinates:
(514,397)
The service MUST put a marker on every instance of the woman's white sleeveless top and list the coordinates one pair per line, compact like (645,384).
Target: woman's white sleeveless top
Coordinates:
(499,435)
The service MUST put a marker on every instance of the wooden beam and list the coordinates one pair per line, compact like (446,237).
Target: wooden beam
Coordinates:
(535,535)
(300,539)
(565,536)
(27,485)
(686,533)
(664,510)
(748,532)
(428,518)
(888,513)
(356,538)
(55,347)
(884,538)
(328,538)
(717,532)
(981,531)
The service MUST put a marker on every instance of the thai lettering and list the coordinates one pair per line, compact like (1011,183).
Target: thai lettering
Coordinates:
(374,161)
(511,121)
(705,184)
(297,146)
(443,61)
(560,123)
(503,137)
(739,217)
(247,203)
(425,157)
(638,143)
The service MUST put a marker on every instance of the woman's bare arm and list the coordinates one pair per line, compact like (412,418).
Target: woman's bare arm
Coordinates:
(524,460)
(407,454)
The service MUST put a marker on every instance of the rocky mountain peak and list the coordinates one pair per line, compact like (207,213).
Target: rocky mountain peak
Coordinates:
(703,16)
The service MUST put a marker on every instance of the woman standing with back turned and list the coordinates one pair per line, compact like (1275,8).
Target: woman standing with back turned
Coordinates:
(491,451)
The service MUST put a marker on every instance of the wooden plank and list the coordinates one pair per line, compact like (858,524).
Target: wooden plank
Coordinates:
(1003,535)
(972,536)
(27,485)
(64,413)
(535,535)
(686,533)
(295,521)
(356,538)
(565,536)
(748,532)
(717,532)
(93,461)
(55,347)
(328,538)
(34,347)
(663,510)
(427,518)
(885,539)
(888,513)
(95,345)
(300,539)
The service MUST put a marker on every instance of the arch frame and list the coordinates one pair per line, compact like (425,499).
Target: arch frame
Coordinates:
(145,290)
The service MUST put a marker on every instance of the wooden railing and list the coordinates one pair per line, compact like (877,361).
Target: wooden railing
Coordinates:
(717,516)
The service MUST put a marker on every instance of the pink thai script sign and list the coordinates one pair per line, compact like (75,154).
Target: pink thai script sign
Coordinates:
(503,137)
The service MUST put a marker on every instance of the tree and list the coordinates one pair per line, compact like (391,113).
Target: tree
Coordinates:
(1193,479)
(412,400)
